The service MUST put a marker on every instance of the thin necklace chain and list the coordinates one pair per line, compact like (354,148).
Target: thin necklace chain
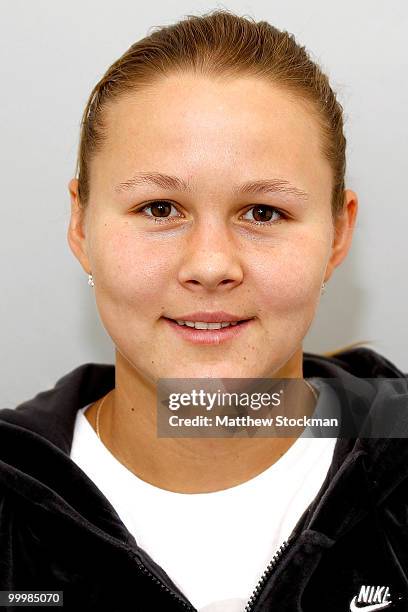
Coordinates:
(313,390)
(98,412)
(99,436)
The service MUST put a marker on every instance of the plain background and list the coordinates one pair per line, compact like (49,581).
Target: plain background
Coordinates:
(52,54)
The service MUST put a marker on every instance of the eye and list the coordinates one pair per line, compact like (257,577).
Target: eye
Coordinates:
(160,210)
(263,214)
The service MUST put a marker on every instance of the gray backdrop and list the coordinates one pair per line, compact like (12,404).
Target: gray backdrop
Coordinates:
(53,52)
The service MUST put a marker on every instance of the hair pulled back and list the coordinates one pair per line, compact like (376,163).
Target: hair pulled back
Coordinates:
(218,44)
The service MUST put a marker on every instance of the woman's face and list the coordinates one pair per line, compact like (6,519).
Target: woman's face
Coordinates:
(257,254)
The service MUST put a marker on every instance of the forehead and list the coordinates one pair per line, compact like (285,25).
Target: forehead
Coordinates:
(194,123)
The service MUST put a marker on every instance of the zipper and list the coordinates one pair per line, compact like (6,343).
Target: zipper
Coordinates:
(251,602)
(268,572)
(271,567)
(157,580)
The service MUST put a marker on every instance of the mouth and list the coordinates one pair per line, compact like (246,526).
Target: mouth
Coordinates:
(200,332)
(205,325)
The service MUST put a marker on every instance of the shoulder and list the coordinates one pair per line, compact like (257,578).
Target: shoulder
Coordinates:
(367,363)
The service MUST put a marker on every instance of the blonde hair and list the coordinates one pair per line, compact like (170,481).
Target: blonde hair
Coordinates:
(218,44)
(347,347)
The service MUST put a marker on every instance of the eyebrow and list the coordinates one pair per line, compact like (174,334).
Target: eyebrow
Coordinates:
(166,181)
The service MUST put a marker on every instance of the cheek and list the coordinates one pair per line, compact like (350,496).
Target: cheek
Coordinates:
(130,270)
(288,278)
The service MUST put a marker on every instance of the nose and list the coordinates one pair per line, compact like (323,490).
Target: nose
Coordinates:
(211,259)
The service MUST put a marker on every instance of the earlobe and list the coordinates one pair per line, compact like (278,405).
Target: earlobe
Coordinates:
(76,229)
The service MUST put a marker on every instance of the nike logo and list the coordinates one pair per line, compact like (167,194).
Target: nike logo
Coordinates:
(370,608)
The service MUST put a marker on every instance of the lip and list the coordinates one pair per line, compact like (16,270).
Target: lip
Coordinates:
(208,336)
(209,317)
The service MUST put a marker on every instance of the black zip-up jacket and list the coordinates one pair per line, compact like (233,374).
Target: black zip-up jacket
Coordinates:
(348,551)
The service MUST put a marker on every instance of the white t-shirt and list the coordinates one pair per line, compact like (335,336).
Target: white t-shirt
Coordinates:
(214,546)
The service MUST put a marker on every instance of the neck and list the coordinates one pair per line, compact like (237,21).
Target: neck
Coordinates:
(128,428)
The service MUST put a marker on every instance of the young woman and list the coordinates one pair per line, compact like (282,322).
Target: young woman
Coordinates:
(209,212)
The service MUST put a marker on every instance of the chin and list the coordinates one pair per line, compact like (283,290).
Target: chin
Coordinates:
(221,370)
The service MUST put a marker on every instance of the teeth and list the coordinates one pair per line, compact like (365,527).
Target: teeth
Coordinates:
(203,325)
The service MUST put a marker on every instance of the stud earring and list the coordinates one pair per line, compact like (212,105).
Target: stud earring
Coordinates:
(324,287)
(90,281)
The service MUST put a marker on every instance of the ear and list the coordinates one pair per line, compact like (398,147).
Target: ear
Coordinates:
(344,227)
(76,229)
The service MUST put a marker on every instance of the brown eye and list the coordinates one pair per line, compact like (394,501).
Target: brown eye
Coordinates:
(263,214)
(160,208)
